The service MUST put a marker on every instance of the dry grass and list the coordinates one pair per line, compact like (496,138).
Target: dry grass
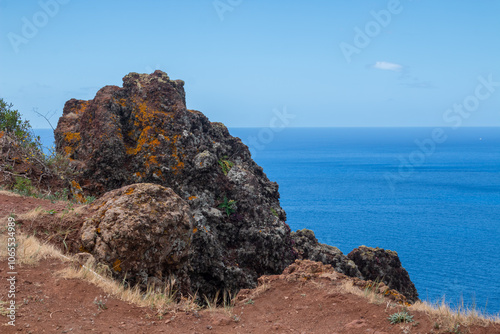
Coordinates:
(445,317)
(225,303)
(30,251)
(161,301)
(9,193)
(33,214)
(369,293)
(260,289)
(453,319)
(38,212)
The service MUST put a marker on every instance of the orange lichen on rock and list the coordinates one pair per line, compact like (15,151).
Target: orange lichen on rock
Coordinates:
(72,137)
(130,191)
(77,192)
(151,162)
(116,265)
(69,150)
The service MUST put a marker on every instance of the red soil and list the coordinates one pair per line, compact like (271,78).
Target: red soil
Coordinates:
(49,303)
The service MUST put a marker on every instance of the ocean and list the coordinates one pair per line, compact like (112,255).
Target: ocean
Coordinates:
(430,194)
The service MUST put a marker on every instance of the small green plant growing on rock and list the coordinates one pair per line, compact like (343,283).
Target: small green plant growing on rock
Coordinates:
(229,206)
(225,164)
(273,211)
(400,317)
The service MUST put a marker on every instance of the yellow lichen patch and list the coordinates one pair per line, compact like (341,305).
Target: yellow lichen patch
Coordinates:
(176,168)
(192,197)
(130,190)
(69,150)
(122,102)
(81,107)
(139,174)
(151,162)
(72,137)
(77,192)
(98,230)
(180,163)
(195,230)
(80,198)
(83,249)
(144,138)
(1,134)
(76,185)
(116,265)
(158,173)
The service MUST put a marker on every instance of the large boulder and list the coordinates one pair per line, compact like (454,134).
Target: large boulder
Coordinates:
(143,232)
(383,265)
(308,248)
(143,132)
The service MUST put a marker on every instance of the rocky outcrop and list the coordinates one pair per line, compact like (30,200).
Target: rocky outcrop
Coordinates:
(303,271)
(143,233)
(382,265)
(308,247)
(232,228)
(143,133)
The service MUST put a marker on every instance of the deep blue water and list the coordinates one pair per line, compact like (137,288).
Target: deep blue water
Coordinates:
(437,204)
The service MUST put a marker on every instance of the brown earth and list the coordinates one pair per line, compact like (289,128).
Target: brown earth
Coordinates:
(307,298)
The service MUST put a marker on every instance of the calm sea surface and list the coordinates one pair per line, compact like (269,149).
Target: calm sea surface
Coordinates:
(435,199)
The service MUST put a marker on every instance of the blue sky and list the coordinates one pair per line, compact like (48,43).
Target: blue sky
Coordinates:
(242,59)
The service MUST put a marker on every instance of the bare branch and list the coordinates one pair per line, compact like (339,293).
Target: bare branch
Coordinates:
(46,116)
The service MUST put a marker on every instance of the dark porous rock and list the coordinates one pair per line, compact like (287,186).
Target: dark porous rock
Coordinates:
(382,265)
(308,248)
(143,233)
(143,133)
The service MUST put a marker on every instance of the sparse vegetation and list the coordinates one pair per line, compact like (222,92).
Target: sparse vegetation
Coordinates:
(452,320)
(11,122)
(101,302)
(27,169)
(228,205)
(23,186)
(225,164)
(400,317)
(273,211)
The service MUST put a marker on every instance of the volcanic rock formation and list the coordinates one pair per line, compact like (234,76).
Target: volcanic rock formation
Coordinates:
(143,233)
(143,132)
(231,227)
(309,248)
(383,265)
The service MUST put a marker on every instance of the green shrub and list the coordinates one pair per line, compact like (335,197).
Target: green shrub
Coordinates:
(400,317)
(23,186)
(11,122)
